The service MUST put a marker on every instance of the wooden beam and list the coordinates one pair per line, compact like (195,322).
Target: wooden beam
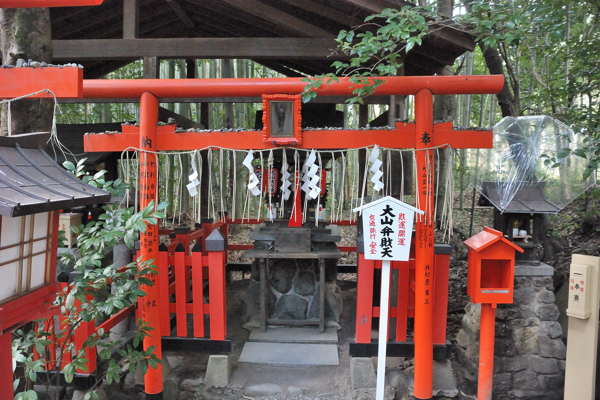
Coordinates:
(377,6)
(131,19)
(151,68)
(325,11)
(238,21)
(180,13)
(182,122)
(100,20)
(272,14)
(114,49)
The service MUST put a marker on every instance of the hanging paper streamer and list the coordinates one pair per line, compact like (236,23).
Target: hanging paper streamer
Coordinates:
(285,181)
(375,169)
(254,185)
(192,187)
(310,178)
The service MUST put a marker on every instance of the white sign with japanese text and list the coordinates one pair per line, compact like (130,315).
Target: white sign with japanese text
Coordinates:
(387,229)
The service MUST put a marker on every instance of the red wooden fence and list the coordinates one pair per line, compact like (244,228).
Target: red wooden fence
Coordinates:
(405,304)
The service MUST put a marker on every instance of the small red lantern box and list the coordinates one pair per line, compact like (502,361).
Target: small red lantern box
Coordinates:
(491,267)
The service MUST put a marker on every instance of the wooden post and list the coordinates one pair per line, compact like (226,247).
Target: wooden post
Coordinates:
(181,290)
(163,289)
(424,247)
(81,334)
(198,288)
(215,245)
(149,240)
(486,351)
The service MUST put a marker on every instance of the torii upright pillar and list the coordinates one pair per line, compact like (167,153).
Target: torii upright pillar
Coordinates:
(149,240)
(424,247)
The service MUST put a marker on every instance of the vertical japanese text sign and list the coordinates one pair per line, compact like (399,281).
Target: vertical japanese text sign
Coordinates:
(387,229)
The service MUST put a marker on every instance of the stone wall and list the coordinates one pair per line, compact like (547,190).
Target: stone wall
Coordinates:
(294,290)
(529,354)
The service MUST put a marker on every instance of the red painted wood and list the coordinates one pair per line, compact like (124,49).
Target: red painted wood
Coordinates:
(198,293)
(32,306)
(423,332)
(440,297)
(52,244)
(296,217)
(351,249)
(255,87)
(218,312)
(180,294)
(402,301)
(6,372)
(47,3)
(486,351)
(461,139)
(81,334)
(149,239)
(401,138)
(364,299)
(239,246)
(65,83)
(115,319)
(164,293)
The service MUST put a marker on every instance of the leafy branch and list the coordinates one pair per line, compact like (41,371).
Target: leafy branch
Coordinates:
(375,54)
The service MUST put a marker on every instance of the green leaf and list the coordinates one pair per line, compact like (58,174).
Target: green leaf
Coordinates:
(580,152)
(563,153)
(69,166)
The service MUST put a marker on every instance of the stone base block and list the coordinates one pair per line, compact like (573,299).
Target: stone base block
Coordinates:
(362,373)
(218,371)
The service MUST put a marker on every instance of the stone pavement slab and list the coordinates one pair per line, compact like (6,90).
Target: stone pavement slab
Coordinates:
(290,354)
(295,335)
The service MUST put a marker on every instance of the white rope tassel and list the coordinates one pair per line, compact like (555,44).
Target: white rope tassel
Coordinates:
(234,190)
(269,186)
(9,118)
(402,172)
(321,183)
(285,183)
(180,193)
(343,187)
(262,190)
(332,188)
(222,189)
(137,181)
(416,180)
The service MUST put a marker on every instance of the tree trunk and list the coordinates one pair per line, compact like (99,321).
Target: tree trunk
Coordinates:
(25,33)
(506,100)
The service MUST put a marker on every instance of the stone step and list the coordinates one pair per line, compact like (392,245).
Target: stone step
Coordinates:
(295,335)
(289,354)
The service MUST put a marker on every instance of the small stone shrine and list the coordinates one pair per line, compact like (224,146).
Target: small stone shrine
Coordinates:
(293,275)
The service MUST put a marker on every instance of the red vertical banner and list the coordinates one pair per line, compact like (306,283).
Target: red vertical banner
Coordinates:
(424,241)
(149,239)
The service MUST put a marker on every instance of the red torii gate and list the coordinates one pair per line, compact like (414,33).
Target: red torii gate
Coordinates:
(421,135)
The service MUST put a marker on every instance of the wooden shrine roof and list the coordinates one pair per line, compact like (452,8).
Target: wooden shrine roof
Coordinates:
(31,182)
(293,37)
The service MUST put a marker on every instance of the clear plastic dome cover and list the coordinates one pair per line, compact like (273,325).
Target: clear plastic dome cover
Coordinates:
(532,167)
